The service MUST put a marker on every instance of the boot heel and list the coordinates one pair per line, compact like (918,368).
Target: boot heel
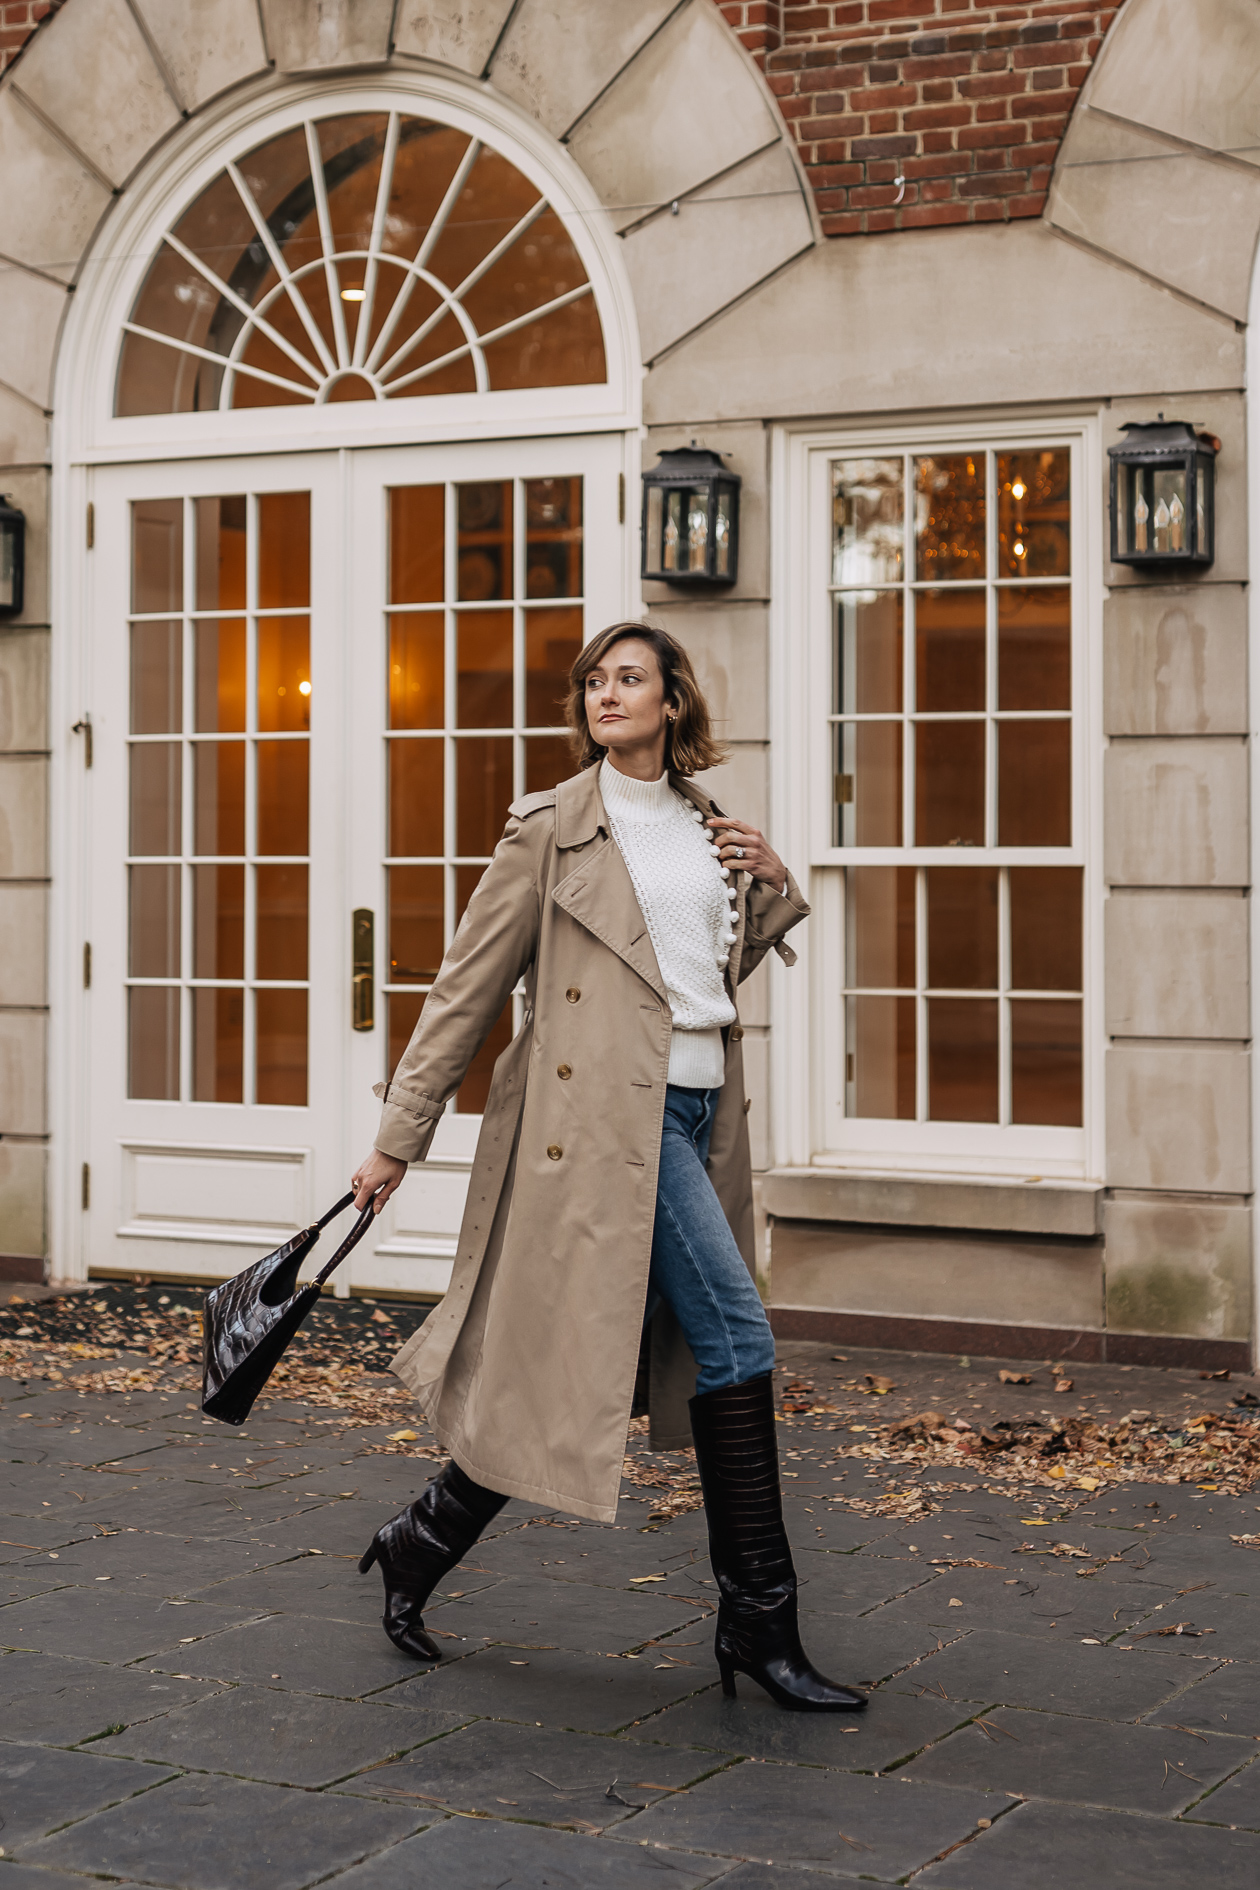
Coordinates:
(728,1682)
(368,1557)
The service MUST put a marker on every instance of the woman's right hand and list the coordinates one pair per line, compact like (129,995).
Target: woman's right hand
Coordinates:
(376,1178)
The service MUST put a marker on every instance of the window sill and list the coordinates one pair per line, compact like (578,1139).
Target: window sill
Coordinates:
(968,1201)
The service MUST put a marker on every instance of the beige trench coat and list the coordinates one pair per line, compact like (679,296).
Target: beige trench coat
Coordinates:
(526,1369)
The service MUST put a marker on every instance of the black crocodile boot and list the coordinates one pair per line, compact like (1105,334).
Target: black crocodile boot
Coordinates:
(738,1458)
(419,1545)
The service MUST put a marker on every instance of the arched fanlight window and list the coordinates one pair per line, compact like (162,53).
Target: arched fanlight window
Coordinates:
(364,256)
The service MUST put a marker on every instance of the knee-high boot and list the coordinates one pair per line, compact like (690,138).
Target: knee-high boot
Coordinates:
(419,1545)
(738,1459)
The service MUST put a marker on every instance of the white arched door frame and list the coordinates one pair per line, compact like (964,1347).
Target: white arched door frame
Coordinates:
(89,441)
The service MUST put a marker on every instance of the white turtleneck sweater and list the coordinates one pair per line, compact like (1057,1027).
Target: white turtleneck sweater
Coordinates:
(685,895)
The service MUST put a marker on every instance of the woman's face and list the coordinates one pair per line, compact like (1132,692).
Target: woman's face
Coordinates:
(625,696)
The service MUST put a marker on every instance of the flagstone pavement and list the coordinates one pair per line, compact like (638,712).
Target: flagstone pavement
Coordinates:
(195,1691)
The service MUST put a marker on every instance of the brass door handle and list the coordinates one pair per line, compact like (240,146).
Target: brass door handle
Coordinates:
(363,970)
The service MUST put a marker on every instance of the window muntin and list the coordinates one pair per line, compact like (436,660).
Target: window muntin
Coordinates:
(485,617)
(361,256)
(951,729)
(219,768)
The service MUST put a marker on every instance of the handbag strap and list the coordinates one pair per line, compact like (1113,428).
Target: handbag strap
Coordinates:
(351,1240)
(337,1208)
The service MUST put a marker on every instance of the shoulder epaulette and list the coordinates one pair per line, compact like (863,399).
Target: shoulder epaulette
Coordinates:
(530,803)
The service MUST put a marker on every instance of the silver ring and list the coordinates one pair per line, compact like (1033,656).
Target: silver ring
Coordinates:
(739,853)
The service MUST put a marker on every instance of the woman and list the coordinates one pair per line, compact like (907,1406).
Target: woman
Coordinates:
(611,1168)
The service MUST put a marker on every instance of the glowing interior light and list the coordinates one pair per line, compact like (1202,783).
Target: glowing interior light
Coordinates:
(1018,489)
(353,295)
(304,689)
(1019,550)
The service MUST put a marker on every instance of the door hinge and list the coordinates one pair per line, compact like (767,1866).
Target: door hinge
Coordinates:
(91,525)
(87,967)
(621,498)
(844,789)
(86,1200)
(84,727)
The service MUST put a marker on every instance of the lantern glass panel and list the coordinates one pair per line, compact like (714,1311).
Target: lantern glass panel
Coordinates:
(655,528)
(8,563)
(1168,514)
(697,529)
(673,532)
(722,562)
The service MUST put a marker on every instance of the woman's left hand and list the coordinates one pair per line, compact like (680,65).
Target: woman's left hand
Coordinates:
(746,850)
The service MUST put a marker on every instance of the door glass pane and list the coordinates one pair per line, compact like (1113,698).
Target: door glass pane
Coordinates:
(1034,528)
(157,556)
(962,928)
(553,641)
(868,521)
(869,653)
(881,923)
(1046,928)
(1035,647)
(949,516)
(548,761)
(880,1057)
(154,921)
(219,705)
(483,681)
(280,894)
(949,646)
(219,797)
(416,670)
(484,559)
(962,1059)
(218,1046)
(220,534)
(1035,784)
(284,673)
(553,524)
(483,792)
(415,799)
(280,1035)
(283,796)
(417,545)
(155,797)
(868,784)
(1046,1062)
(157,678)
(218,921)
(403,1010)
(417,923)
(284,550)
(949,784)
(467,880)
(153,1042)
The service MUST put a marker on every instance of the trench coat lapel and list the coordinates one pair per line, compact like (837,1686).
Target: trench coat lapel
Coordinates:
(599,894)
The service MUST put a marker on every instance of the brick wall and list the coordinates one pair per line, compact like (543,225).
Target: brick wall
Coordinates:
(18,20)
(963,102)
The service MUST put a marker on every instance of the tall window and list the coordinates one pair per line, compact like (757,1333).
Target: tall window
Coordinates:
(952,738)
(485,619)
(220,788)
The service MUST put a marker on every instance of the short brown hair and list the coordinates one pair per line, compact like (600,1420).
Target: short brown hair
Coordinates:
(690,746)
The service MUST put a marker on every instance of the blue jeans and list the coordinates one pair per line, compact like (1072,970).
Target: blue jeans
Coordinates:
(696,1266)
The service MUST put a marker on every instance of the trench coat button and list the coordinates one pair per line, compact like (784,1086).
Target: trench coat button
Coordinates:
(564,1072)
(573,994)
(554,1152)
(737,1032)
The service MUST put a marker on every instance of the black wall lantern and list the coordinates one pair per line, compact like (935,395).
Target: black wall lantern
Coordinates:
(1162,495)
(691,519)
(12,559)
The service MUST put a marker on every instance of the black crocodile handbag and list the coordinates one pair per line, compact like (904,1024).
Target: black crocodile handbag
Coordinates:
(248,1321)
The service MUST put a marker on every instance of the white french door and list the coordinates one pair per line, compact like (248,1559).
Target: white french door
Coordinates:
(316,682)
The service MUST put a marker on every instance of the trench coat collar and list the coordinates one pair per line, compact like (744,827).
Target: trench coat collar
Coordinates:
(580,806)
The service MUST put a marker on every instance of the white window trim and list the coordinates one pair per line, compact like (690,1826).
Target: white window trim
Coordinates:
(807,1039)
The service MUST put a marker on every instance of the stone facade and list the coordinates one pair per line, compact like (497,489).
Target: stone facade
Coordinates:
(1115,289)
